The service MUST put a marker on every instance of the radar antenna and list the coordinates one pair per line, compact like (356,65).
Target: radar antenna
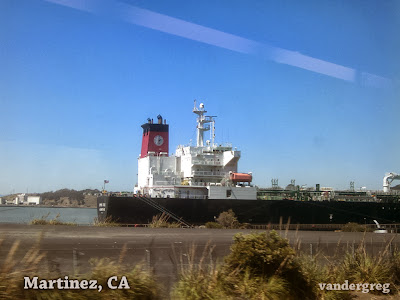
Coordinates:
(202,120)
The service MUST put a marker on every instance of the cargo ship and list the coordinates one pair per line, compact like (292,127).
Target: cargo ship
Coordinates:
(197,183)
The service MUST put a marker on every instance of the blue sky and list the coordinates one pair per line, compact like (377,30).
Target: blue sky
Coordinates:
(308,90)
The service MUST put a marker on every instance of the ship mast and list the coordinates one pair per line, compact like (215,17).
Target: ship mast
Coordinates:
(202,120)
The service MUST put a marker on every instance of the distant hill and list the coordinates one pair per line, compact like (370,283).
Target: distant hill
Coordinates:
(66,197)
(397,187)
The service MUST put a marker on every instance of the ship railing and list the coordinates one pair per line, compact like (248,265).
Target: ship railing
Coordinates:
(206,162)
(191,196)
(162,209)
(155,172)
(198,184)
(391,192)
(208,173)
(224,145)
(162,183)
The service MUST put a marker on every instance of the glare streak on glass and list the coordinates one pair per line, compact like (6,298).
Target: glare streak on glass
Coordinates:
(299,60)
(177,27)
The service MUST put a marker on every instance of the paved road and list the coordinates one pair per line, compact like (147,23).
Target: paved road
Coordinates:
(69,248)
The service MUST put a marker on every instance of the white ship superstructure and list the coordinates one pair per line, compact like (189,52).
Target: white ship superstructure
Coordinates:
(206,170)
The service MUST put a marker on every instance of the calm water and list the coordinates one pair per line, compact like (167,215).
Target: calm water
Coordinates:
(24,214)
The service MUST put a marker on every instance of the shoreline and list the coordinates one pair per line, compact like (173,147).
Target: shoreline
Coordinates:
(45,206)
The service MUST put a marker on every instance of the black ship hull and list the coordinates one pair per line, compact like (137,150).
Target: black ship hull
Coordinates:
(133,210)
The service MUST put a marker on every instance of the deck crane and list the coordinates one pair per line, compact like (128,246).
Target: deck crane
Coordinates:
(387,180)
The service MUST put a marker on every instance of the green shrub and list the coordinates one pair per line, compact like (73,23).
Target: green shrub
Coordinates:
(213,225)
(249,286)
(228,219)
(245,226)
(263,255)
(260,253)
(199,280)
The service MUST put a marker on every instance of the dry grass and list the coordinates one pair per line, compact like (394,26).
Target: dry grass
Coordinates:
(356,266)
(244,279)
(259,267)
(44,221)
(265,267)
(12,271)
(213,225)
(198,279)
(161,221)
(355,227)
(108,222)
(360,267)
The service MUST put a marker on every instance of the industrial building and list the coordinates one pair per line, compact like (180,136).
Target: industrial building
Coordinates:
(27,200)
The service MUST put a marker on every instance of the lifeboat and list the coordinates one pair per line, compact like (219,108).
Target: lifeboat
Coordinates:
(240,177)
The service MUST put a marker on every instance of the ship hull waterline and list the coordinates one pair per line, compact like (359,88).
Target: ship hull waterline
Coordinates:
(132,210)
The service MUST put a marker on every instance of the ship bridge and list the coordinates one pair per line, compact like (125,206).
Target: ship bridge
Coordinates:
(194,171)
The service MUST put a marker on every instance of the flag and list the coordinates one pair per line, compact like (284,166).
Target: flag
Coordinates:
(106,181)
